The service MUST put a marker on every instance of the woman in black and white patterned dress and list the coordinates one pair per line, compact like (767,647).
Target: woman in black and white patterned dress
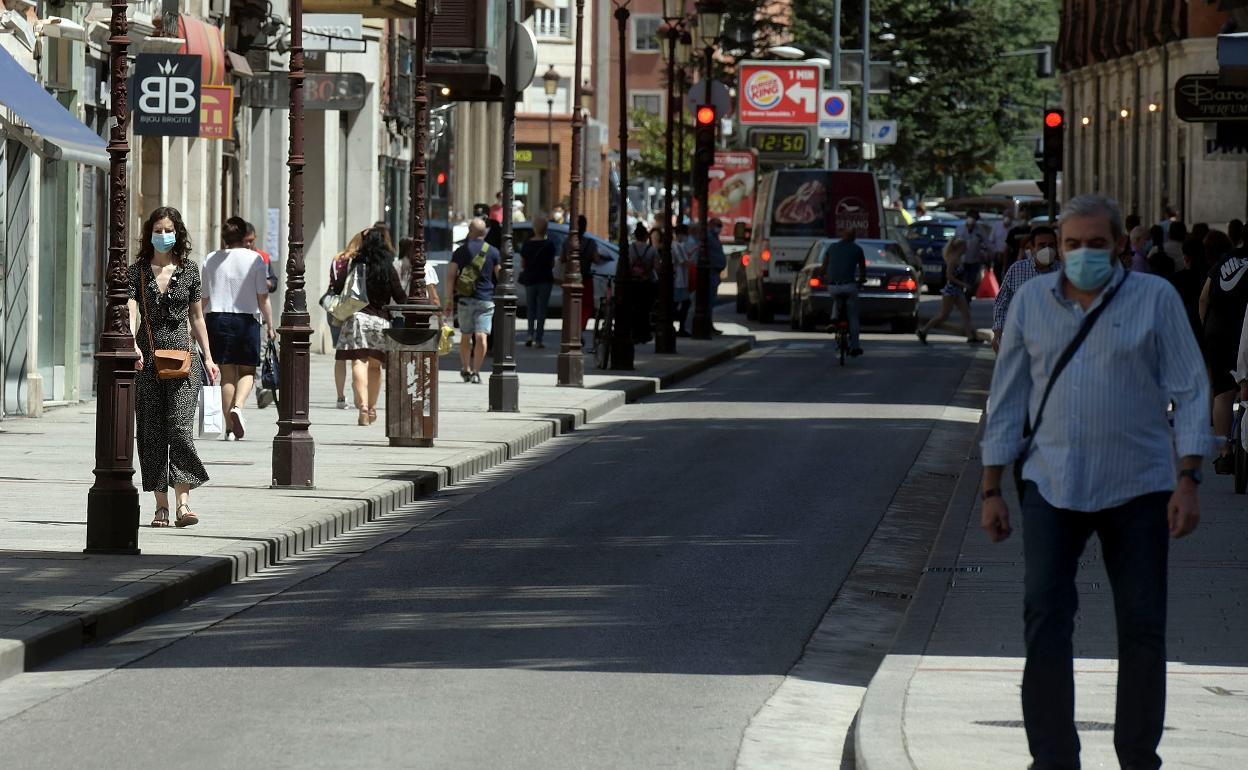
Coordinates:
(363,340)
(164,289)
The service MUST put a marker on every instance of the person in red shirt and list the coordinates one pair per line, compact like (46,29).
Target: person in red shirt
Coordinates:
(496,211)
(250,242)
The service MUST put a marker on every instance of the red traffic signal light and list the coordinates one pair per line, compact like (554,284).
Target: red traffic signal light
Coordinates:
(441,177)
(706,116)
(1053,118)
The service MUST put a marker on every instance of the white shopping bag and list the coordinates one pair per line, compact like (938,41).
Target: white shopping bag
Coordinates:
(211,416)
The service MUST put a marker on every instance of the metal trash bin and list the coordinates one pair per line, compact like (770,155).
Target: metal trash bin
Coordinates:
(412,383)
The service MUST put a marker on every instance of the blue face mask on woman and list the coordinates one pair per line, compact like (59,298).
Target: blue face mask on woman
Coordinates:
(1087,268)
(164,242)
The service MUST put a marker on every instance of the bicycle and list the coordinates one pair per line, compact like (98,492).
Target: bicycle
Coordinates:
(604,326)
(840,324)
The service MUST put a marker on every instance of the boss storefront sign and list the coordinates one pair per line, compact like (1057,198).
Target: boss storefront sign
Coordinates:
(165,95)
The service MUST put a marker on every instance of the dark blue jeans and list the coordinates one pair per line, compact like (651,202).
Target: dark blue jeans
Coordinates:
(537,296)
(1135,543)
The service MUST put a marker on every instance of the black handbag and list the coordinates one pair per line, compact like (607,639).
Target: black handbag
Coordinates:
(270,375)
(1029,427)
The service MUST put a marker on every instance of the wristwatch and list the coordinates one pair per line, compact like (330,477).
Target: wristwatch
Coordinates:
(1192,473)
(994,492)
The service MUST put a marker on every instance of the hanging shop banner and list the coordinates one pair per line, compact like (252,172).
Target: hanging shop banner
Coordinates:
(216,112)
(1200,99)
(335,32)
(166,94)
(731,182)
(347,91)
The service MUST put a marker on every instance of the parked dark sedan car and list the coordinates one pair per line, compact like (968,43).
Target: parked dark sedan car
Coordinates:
(891,294)
(928,238)
(558,234)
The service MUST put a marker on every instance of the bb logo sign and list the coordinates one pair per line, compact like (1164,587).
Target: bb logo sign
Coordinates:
(166,94)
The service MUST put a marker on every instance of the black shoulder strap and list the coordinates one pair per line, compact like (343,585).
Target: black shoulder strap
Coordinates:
(1029,429)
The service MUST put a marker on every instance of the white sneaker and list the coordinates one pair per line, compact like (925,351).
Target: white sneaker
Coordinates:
(237,426)
(342,402)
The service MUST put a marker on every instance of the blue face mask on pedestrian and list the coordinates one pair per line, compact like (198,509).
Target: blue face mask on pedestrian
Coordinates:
(1087,268)
(164,242)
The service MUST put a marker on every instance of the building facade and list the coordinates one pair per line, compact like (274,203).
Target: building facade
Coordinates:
(1120,60)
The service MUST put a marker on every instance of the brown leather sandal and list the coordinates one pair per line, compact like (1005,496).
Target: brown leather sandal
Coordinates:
(187,519)
(161,519)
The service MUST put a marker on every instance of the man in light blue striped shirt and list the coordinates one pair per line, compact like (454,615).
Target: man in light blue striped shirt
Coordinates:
(1040,258)
(1102,461)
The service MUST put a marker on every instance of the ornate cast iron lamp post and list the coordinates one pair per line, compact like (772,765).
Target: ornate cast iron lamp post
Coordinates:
(293,449)
(571,364)
(710,20)
(113,500)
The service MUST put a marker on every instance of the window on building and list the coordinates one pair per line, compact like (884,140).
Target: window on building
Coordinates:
(553,22)
(645,33)
(647,101)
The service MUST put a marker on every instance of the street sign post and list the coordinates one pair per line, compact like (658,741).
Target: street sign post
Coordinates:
(720,99)
(778,93)
(835,113)
(882,132)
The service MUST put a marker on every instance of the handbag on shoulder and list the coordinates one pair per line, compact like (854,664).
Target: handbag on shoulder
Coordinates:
(169,364)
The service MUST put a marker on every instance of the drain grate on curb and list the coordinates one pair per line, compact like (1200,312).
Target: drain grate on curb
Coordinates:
(889,595)
(55,613)
(966,569)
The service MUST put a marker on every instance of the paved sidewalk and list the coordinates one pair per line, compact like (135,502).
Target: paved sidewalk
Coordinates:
(947,696)
(54,598)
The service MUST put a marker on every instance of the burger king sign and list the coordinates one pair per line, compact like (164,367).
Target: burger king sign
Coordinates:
(772,93)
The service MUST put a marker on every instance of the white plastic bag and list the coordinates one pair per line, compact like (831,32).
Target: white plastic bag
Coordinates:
(211,415)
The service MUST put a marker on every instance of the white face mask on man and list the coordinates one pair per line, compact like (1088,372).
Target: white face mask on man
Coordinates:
(1044,257)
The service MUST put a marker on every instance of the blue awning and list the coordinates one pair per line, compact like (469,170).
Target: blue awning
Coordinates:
(45,125)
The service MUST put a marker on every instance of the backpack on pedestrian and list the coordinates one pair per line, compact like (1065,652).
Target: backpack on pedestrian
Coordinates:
(466,281)
(640,263)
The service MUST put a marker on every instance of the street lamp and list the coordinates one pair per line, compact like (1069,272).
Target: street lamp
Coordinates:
(684,54)
(425,380)
(113,500)
(504,395)
(621,354)
(669,33)
(710,19)
(550,82)
(293,448)
(570,367)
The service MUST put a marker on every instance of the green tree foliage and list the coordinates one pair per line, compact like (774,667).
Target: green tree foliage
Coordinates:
(650,133)
(964,108)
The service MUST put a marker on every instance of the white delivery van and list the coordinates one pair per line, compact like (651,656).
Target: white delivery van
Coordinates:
(794,209)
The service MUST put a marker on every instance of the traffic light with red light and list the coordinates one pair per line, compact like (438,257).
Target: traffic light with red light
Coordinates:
(1051,160)
(703,148)
(1054,130)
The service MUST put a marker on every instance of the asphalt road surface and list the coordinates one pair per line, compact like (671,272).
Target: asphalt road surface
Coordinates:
(630,601)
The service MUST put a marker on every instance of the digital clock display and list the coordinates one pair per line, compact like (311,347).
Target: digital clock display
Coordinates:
(779,143)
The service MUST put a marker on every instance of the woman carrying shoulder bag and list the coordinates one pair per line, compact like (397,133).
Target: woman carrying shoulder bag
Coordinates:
(164,289)
(363,339)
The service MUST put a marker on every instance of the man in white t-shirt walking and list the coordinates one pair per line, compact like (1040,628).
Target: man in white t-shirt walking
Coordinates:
(236,297)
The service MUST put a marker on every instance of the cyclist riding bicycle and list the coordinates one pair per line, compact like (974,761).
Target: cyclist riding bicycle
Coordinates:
(845,270)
